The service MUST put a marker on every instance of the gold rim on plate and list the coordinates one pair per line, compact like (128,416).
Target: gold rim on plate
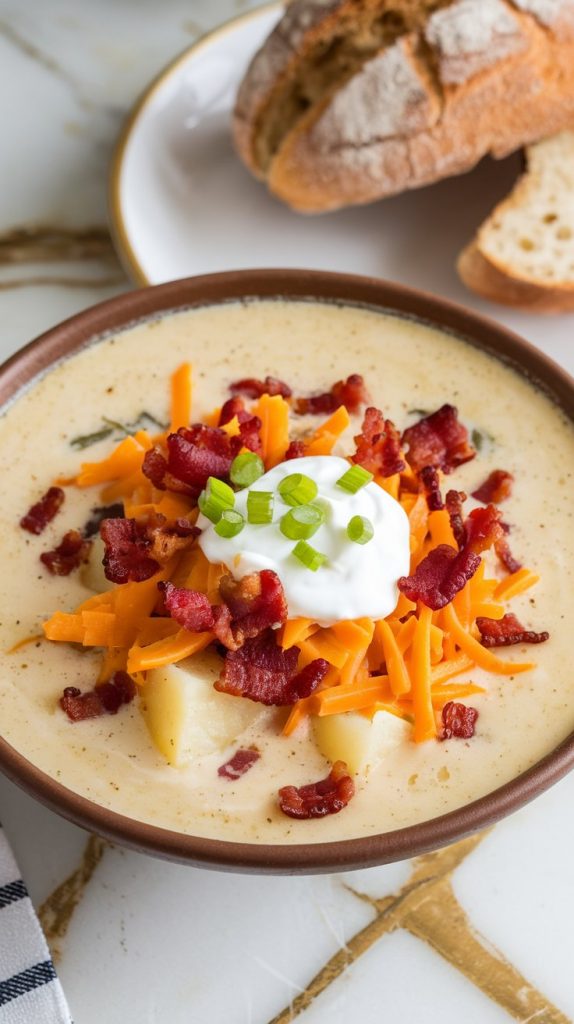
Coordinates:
(119,232)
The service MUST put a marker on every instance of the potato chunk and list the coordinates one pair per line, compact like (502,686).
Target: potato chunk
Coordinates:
(359,741)
(185,716)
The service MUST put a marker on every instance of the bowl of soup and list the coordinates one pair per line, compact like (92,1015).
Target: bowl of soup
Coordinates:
(287,559)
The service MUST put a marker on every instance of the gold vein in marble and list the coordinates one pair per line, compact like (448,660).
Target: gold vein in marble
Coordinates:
(46,243)
(427,907)
(442,923)
(57,910)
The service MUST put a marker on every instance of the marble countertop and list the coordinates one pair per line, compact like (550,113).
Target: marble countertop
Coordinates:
(479,932)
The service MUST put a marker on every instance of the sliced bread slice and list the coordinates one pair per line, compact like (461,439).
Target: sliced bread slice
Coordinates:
(523,254)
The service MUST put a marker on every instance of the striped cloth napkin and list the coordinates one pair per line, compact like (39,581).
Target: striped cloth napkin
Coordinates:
(30,992)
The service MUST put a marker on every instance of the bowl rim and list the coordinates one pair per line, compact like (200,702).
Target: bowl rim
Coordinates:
(116,314)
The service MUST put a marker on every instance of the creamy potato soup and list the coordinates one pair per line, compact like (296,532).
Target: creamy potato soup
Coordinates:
(409,370)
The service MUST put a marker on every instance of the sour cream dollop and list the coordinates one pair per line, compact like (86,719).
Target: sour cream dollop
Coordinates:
(356,580)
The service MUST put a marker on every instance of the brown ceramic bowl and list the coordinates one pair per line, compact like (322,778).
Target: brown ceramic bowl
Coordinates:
(72,335)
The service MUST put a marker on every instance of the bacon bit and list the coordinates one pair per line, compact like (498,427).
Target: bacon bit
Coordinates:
(249,426)
(190,608)
(240,763)
(438,440)
(458,721)
(251,605)
(496,488)
(249,435)
(105,699)
(351,393)
(100,513)
(502,548)
(166,539)
(507,631)
(379,445)
(154,466)
(262,671)
(296,450)
(69,555)
(307,680)
(482,529)
(39,515)
(230,409)
(253,388)
(315,800)
(127,558)
(440,576)
(454,501)
(431,486)
(198,453)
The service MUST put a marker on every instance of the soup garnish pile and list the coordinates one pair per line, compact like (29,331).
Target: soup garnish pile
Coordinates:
(350,591)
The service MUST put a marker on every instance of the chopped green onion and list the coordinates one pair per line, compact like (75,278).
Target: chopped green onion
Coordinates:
(246,469)
(355,478)
(230,524)
(215,498)
(302,522)
(260,507)
(360,530)
(297,489)
(310,557)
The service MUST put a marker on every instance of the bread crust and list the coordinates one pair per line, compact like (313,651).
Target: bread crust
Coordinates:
(301,27)
(481,76)
(493,283)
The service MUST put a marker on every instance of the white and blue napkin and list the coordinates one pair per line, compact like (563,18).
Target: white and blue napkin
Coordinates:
(30,992)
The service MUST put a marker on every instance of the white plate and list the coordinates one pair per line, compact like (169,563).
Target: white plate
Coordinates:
(181,202)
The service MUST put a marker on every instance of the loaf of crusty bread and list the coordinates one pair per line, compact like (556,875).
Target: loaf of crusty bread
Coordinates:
(349,101)
(523,254)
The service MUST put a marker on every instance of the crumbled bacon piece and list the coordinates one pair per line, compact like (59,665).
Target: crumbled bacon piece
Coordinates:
(296,450)
(233,407)
(482,528)
(351,393)
(106,698)
(101,512)
(154,466)
(249,426)
(454,501)
(502,548)
(253,604)
(507,631)
(458,720)
(495,488)
(440,576)
(431,485)
(379,445)
(165,538)
(127,557)
(315,800)
(439,440)
(240,763)
(262,671)
(190,608)
(43,511)
(193,455)
(307,680)
(79,706)
(249,436)
(72,550)
(196,454)
(253,388)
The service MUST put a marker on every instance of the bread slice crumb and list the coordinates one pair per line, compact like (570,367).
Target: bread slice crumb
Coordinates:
(523,254)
